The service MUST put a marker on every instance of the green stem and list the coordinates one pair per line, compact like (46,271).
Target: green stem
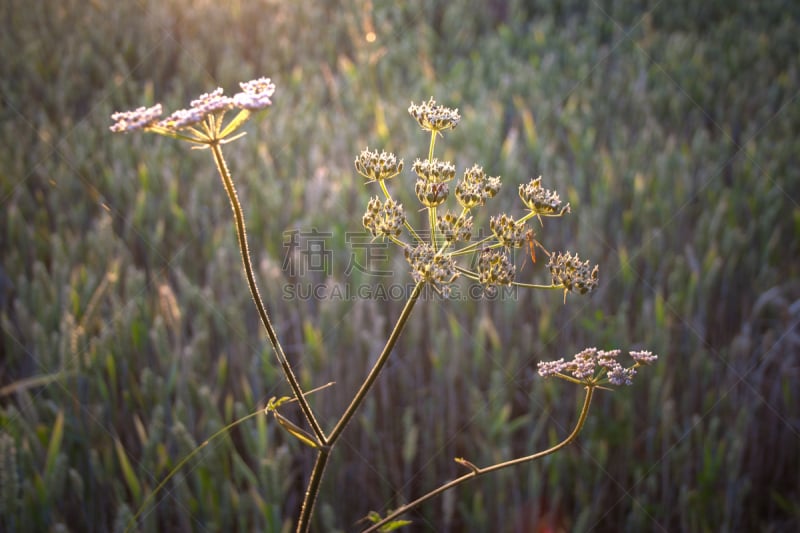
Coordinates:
(432,210)
(477,472)
(382,358)
(535,286)
(241,233)
(476,245)
(432,224)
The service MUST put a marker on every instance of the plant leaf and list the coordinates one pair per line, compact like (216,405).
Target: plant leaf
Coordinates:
(127,471)
(297,432)
(394,524)
(55,445)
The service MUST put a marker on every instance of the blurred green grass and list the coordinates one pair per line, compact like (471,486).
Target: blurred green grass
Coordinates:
(128,336)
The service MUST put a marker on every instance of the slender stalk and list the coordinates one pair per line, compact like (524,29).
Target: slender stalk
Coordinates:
(432,224)
(431,145)
(432,210)
(373,374)
(477,472)
(241,233)
(314,482)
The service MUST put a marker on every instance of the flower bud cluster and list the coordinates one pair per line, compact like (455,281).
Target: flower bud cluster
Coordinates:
(475,187)
(540,200)
(508,232)
(255,95)
(432,117)
(495,268)
(202,106)
(568,271)
(378,166)
(644,357)
(384,219)
(455,228)
(426,265)
(586,364)
(133,120)
(182,118)
(212,102)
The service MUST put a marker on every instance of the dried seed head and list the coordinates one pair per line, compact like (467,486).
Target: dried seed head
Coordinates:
(139,118)
(384,219)
(540,200)
(475,187)
(454,228)
(568,271)
(426,265)
(432,117)
(469,195)
(508,233)
(434,171)
(491,186)
(378,166)
(431,194)
(495,268)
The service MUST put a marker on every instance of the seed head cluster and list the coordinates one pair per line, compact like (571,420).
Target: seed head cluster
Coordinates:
(435,262)
(434,171)
(432,117)
(378,166)
(540,200)
(508,232)
(568,271)
(495,268)
(455,228)
(431,194)
(435,268)
(384,219)
(476,187)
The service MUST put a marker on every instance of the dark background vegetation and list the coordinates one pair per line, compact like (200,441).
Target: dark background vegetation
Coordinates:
(128,335)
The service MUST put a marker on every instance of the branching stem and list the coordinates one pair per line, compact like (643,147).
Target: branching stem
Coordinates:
(477,472)
(304,524)
(382,358)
